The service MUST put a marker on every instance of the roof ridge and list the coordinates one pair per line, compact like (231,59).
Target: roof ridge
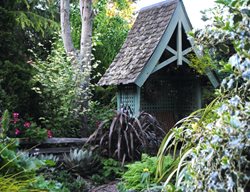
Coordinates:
(158,5)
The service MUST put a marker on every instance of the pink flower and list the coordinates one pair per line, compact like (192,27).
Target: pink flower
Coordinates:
(27,124)
(15,115)
(49,133)
(17,131)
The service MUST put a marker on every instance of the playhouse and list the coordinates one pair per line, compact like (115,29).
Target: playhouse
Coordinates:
(152,71)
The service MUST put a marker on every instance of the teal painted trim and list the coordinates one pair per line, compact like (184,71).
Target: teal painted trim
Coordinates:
(212,78)
(118,99)
(137,101)
(188,27)
(185,60)
(186,51)
(179,44)
(149,67)
(186,15)
(171,50)
(164,63)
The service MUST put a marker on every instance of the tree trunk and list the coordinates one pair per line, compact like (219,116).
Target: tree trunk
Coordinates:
(65,27)
(81,61)
(85,53)
(86,43)
(86,33)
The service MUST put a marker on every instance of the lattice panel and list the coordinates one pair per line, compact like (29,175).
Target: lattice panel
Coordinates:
(186,100)
(158,96)
(176,95)
(127,96)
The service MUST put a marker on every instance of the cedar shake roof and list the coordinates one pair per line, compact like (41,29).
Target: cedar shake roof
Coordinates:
(140,44)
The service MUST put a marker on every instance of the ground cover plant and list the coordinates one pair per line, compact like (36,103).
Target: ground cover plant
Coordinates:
(211,146)
(141,175)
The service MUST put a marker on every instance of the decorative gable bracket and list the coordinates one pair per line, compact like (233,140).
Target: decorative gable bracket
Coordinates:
(179,21)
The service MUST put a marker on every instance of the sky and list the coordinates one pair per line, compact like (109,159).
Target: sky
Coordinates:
(193,8)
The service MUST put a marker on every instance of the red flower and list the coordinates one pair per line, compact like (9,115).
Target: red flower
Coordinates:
(49,133)
(27,124)
(17,132)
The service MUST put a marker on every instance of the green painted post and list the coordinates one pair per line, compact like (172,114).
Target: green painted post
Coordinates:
(118,99)
(179,44)
(137,101)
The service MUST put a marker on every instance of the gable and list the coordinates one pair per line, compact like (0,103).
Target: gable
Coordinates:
(157,39)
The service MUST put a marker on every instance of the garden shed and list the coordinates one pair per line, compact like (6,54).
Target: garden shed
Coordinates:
(152,70)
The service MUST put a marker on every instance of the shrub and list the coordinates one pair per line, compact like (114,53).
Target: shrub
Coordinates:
(21,128)
(56,81)
(127,136)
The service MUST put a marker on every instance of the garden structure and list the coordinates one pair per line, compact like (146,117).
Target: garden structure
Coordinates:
(151,70)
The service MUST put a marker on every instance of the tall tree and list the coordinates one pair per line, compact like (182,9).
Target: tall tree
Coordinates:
(22,27)
(81,59)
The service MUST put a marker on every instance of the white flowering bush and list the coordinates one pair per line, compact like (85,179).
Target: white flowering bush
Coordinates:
(215,141)
(57,82)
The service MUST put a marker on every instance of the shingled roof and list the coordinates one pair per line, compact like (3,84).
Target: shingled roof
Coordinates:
(140,44)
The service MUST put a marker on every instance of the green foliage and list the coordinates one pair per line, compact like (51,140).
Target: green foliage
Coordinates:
(83,162)
(110,27)
(21,26)
(17,94)
(201,64)
(14,162)
(109,171)
(214,142)
(126,137)
(14,183)
(55,82)
(98,113)
(32,15)
(36,133)
(21,128)
(56,172)
(70,181)
(18,170)
(77,184)
(4,125)
(141,174)
(41,184)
